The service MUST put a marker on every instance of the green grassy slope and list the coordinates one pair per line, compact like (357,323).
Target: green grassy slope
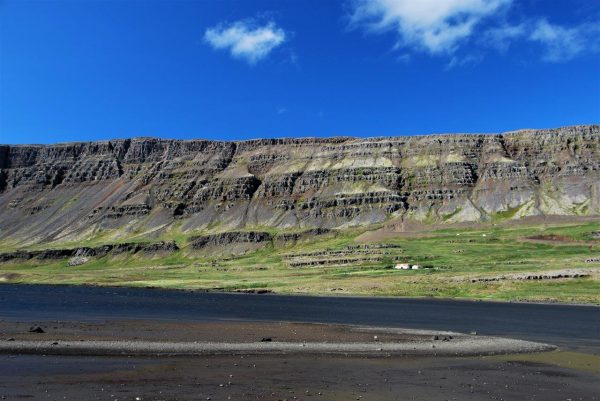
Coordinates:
(455,259)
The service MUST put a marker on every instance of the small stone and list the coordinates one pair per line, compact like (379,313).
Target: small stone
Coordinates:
(37,329)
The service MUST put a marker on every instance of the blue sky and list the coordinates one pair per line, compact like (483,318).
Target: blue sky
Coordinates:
(88,70)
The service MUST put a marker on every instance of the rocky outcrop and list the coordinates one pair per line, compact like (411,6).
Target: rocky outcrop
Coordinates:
(84,253)
(334,262)
(63,192)
(348,255)
(548,275)
(77,261)
(303,235)
(228,238)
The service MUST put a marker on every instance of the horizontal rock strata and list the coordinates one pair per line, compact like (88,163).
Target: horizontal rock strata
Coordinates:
(63,192)
(83,253)
(229,238)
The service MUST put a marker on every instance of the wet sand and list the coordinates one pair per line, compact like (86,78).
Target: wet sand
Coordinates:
(293,376)
(227,331)
(271,378)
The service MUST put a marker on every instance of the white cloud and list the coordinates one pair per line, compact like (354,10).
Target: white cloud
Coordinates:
(562,43)
(246,40)
(431,25)
(443,26)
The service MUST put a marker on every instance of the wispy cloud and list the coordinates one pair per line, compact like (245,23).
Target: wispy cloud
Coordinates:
(245,39)
(564,43)
(502,36)
(559,43)
(443,27)
(429,25)
(456,61)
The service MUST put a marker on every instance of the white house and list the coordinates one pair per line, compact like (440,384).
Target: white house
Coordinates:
(406,266)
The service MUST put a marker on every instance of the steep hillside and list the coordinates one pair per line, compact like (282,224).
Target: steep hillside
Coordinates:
(115,190)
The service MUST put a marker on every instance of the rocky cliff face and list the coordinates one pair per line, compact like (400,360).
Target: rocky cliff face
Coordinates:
(74,191)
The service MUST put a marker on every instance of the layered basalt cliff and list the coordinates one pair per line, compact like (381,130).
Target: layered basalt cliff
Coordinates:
(73,191)
(100,251)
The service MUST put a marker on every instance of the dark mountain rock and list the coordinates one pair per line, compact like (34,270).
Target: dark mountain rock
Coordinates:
(234,237)
(303,235)
(52,192)
(85,252)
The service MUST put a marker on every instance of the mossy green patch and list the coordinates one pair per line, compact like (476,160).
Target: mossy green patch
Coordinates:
(564,359)
(507,214)
(448,216)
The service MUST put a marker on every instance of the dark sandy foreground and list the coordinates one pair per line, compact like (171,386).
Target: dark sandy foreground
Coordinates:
(382,376)
(301,377)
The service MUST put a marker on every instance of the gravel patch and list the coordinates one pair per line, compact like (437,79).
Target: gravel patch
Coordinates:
(465,346)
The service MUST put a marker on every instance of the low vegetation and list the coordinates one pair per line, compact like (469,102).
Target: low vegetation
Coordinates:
(496,262)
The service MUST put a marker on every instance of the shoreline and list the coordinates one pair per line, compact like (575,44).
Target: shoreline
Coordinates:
(267,292)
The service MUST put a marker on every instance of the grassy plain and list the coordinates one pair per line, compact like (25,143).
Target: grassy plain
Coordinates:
(454,261)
